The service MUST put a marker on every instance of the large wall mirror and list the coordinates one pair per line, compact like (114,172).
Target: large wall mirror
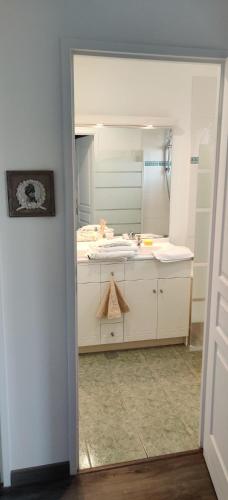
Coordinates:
(124,177)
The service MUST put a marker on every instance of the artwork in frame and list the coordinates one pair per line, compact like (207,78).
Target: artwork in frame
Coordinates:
(31,193)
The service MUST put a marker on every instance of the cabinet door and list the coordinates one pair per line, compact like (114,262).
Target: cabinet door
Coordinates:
(173,307)
(140,323)
(88,324)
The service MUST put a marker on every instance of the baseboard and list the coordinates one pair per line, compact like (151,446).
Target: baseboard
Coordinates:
(139,344)
(41,474)
(193,348)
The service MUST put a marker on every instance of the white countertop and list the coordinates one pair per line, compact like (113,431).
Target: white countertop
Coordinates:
(144,252)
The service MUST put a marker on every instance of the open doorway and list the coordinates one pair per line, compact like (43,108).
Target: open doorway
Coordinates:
(145,153)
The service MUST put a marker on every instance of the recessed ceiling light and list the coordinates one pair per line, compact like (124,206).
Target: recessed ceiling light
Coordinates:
(148,126)
(99,125)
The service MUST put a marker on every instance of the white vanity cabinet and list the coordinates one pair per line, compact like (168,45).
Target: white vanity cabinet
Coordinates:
(158,296)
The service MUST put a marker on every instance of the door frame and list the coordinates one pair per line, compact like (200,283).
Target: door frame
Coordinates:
(69,48)
(4,403)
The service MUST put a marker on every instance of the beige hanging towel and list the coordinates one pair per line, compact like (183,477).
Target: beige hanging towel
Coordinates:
(113,303)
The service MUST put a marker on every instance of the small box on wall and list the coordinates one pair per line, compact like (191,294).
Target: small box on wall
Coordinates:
(31,193)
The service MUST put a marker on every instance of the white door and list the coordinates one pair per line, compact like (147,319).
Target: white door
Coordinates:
(88,324)
(141,322)
(84,160)
(173,307)
(216,409)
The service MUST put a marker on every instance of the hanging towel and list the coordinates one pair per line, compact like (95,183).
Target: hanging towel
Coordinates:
(113,303)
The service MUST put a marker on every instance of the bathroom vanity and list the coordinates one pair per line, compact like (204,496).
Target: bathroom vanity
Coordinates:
(124,177)
(158,295)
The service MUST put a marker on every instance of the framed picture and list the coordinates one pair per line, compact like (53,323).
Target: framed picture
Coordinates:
(31,193)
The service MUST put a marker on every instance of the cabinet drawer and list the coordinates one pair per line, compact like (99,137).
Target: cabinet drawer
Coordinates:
(116,269)
(180,269)
(111,333)
(88,273)
(140,270)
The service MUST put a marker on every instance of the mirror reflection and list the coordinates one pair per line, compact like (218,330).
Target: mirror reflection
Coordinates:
(124,179)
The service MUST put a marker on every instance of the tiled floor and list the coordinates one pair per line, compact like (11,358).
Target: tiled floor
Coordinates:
(137,404)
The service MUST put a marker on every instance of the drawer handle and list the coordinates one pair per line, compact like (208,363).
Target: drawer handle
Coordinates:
(161,291)
(112,334)
(154,291)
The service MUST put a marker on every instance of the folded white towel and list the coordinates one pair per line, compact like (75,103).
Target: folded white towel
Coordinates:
(115,243)
(89,227)
(117,249)
(172,253)
(111,255)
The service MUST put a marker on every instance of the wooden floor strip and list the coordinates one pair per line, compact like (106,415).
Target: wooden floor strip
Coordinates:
(182,477)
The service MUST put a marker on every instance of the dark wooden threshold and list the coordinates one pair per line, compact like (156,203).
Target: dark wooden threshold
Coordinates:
(119,465)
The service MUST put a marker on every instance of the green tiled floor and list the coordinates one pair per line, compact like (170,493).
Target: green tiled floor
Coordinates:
(137,404)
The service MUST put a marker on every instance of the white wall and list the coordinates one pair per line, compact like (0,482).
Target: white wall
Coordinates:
(203,131)
(33,327)
(179,23)
(32,250)
(118,87)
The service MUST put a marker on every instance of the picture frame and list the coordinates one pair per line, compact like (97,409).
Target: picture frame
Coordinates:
(30,193)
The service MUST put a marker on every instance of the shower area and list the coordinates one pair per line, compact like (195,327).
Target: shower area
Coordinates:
(157,162)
